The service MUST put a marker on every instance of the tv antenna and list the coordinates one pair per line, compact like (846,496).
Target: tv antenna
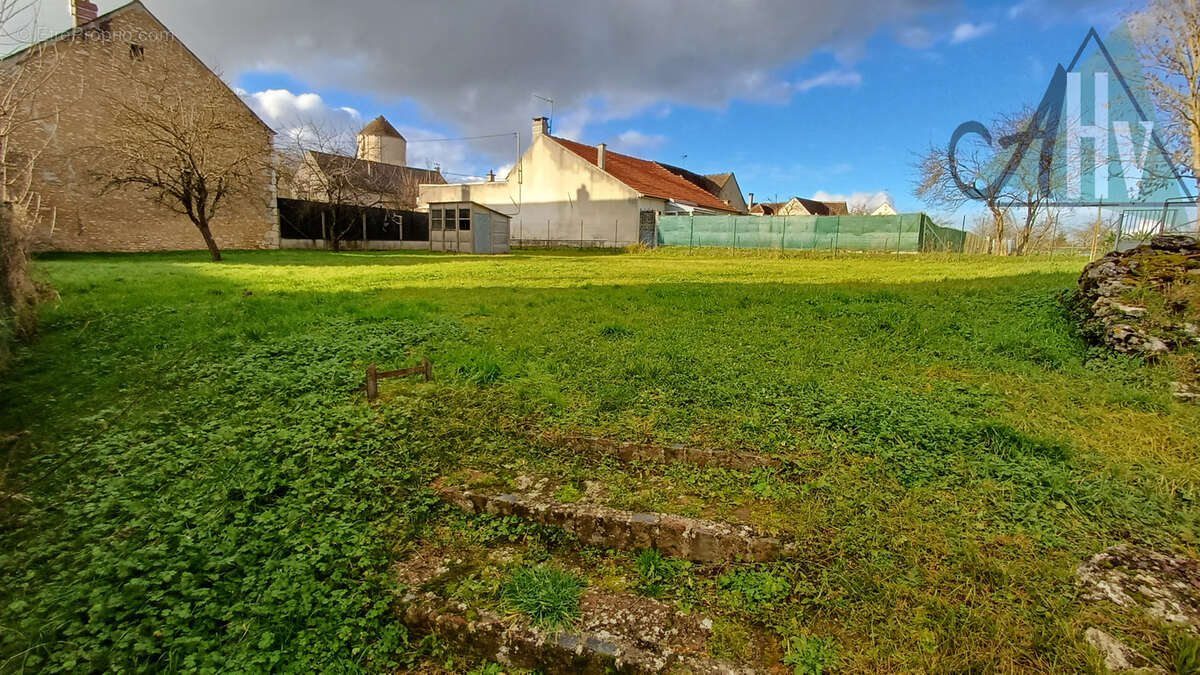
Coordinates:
(549,100)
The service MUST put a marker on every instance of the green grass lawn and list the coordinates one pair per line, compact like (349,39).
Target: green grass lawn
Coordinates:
(199,482)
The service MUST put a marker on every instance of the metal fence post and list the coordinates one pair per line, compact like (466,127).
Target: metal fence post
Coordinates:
(783,239)
(692,233)
(837,233)
(735,238)
(900,233)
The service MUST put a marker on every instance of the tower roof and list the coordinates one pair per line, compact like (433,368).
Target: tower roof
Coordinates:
(380,127)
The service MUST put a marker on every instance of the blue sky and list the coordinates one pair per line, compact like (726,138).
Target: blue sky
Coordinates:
(841,109)
(855,135)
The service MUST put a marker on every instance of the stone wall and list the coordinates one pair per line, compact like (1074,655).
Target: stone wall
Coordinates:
(83,70)
(1156,271)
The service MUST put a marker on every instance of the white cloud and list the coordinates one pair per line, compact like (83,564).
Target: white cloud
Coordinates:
(1020,8)
(634,141)
(292,115)
(297,115)
(916,37)
(965,32)
(858,201)
(611,59)
(830,78)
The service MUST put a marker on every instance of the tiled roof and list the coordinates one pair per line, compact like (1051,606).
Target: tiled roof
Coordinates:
(380,127)
(818,208)
(720,178)
(375,177)
(814,207)
(648,178)
(767,208)
(703,182)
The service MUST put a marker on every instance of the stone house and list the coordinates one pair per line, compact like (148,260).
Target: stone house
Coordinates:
(377,176)
(81,67)
(727,189)
(566,193)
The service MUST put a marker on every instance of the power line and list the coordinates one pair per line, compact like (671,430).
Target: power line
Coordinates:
(464,138)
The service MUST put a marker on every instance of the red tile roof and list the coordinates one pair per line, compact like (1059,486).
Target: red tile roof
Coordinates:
(647,177)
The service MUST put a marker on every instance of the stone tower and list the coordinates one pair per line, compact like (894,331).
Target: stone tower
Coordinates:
(380,142)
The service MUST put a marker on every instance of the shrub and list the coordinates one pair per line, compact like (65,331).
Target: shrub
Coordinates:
(754,589)
(809,655)
(547,595)
(656,573)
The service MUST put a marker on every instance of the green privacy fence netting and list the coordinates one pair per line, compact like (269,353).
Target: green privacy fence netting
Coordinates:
(910,232)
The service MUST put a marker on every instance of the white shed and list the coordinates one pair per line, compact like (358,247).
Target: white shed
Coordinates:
(467,227)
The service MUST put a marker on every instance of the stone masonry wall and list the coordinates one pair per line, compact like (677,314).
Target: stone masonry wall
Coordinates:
(86,69)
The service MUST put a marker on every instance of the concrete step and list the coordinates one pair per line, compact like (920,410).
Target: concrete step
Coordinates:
(593,647)
(692,539)
(614,632)
(663,453)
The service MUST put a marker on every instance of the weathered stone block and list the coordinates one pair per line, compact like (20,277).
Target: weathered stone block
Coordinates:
(676,536)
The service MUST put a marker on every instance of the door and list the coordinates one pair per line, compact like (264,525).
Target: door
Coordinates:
(483,232)
(648,228)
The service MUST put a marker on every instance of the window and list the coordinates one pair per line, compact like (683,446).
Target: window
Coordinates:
(451,224)
(136,52)
(464,219)
(435,219)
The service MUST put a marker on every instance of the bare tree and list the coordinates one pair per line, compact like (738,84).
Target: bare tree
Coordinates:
(27,125)
(326,171)
(1168,37)
(176,143)
(1020,206)
(936,184)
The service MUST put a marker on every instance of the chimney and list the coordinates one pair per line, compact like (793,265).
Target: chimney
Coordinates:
(84,12)
(750,204)
(541,126)
(491,176)
(601,151)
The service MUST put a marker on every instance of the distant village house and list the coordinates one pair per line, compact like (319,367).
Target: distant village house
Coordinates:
(378,176)
(566,193)
(797,206)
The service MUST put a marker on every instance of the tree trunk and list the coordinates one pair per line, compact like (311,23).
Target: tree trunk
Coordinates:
(209,241)
(998,219)
(1196,155)
(335,240)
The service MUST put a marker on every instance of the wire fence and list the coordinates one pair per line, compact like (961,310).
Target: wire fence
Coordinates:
(904,233)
